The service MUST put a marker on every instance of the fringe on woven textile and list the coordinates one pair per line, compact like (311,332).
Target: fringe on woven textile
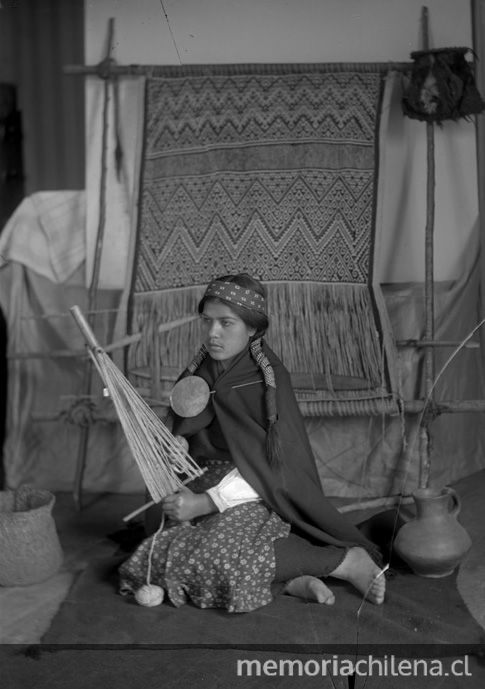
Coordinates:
(175,347)
(315,328)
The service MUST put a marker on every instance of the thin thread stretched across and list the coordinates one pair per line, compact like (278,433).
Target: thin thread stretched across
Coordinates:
(152,545)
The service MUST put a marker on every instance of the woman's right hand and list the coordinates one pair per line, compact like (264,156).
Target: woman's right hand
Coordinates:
(186,505)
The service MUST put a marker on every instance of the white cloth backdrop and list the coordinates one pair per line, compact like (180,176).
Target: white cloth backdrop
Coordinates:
(122,189)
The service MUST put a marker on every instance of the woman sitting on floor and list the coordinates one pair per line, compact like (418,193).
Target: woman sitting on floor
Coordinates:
(257,516)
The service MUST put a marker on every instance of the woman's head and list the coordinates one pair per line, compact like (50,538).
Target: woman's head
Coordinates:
(233,311)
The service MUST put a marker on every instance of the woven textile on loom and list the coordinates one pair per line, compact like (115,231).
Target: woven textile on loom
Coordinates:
(270,170)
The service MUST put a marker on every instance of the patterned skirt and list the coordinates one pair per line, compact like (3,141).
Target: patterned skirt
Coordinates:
(224,560)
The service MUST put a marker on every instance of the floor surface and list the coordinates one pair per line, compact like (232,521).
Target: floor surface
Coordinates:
(27,611)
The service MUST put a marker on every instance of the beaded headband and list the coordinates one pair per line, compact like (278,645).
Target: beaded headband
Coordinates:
(235,294)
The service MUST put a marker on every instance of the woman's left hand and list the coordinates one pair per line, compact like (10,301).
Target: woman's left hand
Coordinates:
(186,505)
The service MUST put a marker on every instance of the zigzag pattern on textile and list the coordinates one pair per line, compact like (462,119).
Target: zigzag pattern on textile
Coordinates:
(219,110)
(290,225)
(269,174)
(273,171)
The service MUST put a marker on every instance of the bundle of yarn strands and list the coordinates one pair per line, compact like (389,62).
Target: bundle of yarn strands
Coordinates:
(161,458)
(441,86)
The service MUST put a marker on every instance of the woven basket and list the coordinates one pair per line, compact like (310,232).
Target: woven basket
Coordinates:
(30,551)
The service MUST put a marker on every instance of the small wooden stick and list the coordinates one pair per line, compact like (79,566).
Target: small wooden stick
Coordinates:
(141,509)
(164,327)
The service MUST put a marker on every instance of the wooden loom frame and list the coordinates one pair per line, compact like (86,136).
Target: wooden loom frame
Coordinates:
(108,70)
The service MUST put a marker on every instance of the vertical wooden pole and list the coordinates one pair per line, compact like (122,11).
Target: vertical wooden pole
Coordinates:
(478,24)
(94,283)
(429,364)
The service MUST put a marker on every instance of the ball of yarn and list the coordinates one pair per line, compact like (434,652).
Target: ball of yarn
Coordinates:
(149,595)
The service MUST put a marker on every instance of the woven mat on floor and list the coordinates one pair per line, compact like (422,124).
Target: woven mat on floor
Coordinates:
(100,639)
(417,611)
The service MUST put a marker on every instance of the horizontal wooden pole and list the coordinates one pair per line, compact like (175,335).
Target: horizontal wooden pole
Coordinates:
(446,406)
(162,328)
(118,344)
(410,407)
(300,379)
(106,414)
(54,354)
(436,343)
(108,68)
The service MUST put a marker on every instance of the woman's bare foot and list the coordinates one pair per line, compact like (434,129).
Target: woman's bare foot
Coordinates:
(359,569)
(309,588)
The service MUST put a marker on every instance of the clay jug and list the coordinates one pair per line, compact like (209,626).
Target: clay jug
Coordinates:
(433,543)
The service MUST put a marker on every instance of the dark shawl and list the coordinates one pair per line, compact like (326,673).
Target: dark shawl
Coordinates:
(233,427)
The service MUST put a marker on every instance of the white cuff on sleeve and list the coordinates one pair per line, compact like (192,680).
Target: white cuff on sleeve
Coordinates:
(231,491)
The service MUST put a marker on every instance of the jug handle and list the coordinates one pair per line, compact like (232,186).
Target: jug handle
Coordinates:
(456,507)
